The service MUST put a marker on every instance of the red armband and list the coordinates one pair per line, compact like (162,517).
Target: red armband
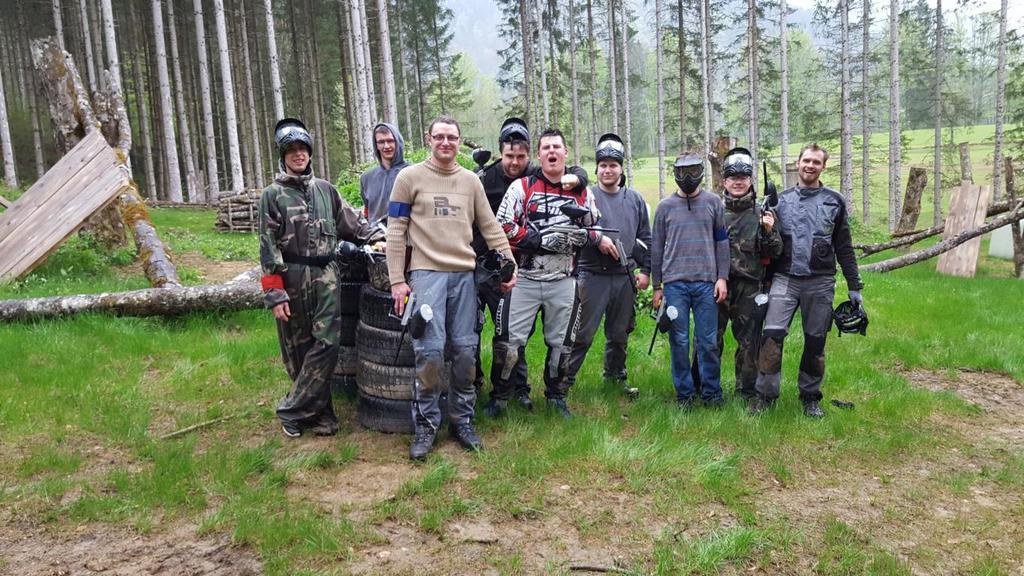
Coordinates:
(271,281)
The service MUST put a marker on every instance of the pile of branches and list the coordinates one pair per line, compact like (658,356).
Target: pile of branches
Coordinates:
(238,212)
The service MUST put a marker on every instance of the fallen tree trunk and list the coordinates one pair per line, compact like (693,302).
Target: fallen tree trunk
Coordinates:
(243,292)
(915,237)
(948,244)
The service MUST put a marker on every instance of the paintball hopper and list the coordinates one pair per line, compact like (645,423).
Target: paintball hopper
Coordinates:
(665,320)
(418,321)
(574,212)
(850,318)
(348,252)
(481,156)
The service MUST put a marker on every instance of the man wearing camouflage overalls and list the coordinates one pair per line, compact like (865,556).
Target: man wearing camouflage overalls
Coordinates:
(753,240)
(301,220)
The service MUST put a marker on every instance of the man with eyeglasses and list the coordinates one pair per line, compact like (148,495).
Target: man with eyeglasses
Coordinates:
(514,163)
(434,206)
(689,270)
(607,288)
(376,183)
(754,241)
(528,213)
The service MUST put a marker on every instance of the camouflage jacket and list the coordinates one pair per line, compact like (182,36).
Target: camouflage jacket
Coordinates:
(749,244)
(304,216)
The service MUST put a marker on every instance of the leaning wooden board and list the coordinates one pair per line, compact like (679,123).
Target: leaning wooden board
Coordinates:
(966,211)
(82,182)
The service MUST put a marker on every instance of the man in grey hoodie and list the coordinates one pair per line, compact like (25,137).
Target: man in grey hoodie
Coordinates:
(375,184)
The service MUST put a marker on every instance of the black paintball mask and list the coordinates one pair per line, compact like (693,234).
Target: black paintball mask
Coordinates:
(688,172)
(609,147)
(513,129)
(738,162)
(288,131)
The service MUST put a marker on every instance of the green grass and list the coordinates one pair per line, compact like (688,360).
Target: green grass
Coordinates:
(86,400)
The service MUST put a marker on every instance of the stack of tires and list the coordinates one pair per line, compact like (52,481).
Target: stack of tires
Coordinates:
(386,363)
(349,289)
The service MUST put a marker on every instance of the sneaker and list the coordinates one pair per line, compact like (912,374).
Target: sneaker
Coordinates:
(559,405)
(813,410)
(466,436)
(758,405)
(523,398)
(714,404)
(685,404)
(495,408)
(291,430)
(422,443)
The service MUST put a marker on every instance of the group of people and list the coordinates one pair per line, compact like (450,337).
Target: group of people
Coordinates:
(575,254)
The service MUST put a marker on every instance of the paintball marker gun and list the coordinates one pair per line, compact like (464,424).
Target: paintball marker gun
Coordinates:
(414,321)
(771,193)
(663,322)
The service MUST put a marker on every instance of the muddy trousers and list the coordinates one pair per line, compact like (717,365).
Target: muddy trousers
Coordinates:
(491,300)
(813,295)
(453,334)
(557,302)
(613,297)
(309,347)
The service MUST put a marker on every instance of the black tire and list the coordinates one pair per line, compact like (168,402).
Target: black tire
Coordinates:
(348,297)
(347,337)
(375,309)
(382,381)
(384,346)
(347,357)
(344,385)
(394,416)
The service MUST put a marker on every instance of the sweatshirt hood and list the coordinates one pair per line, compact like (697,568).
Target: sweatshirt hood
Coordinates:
(399,158)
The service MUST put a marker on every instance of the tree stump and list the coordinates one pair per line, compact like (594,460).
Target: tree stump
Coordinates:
(912,200)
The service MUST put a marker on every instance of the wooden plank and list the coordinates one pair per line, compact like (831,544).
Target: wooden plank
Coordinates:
(79,185)
(967,211)
(5,202)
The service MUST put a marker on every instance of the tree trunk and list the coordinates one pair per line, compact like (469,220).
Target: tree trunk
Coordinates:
(705,70)
(544,96)
(363,100)
(592,53)
(846,133)
(1015,231)
(191,181)
(347,78)
(948,244)
(755,92)
(10,170)
(894,112)
(37,132)
(275,70)
(784,83)
(371,87)
(612,75)
(997,157)
(97,46)
(166,112)
(919,235)
(250,96)
(322,112)
(239,294)
(110,37)
(658,59)
(141,97)
(440,73)
(553,57)
(937,94)
(241,95)
(90,63)
(912,204)
(387,67)
(865,101)
(212,185)
(576,144)
(230,118)
(682,63)
(965,162)
(625,93)
(58,24)
(410,133)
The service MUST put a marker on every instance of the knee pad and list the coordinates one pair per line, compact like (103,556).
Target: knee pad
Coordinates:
(769,361)
(429,370)
(813,360)
(505,356)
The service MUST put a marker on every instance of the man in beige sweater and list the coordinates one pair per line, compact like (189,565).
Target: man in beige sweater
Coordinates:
(434,206)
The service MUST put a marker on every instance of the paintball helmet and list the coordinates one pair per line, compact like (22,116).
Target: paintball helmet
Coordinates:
(688,171)
(513,129)
(609,146)
(738,162)
(289,131)
(850,319)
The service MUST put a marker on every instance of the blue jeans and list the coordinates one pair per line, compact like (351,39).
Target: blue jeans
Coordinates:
(700,298)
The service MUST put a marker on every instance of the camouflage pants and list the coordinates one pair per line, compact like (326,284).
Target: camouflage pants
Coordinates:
(309,347)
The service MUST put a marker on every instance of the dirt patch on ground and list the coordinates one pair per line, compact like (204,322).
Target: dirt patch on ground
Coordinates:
(96,549)
(212,271)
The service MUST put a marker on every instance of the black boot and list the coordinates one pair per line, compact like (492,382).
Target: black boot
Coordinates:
(495,408)
(758,405)
(422,444)
(523,397)
(559,406)
(813,410)
(466,436)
